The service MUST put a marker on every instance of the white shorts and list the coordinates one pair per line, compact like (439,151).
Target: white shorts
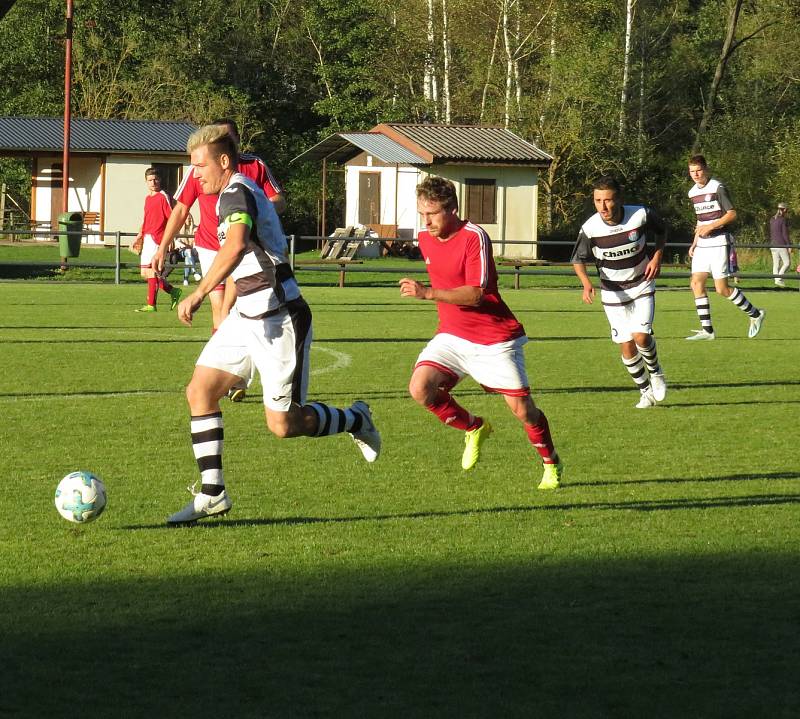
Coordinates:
(149,248)
(206,257)
(712,260)
(632,318)
(497,368)
(277,346)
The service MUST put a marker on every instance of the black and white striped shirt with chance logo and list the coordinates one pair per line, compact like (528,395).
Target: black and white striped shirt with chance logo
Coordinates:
(619,252)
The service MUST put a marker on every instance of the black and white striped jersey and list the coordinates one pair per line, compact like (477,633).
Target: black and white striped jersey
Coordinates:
(264,280)
(710,202)
(619,252)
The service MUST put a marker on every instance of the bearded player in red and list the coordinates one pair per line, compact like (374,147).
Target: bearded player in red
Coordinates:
(157,209)
(478,334)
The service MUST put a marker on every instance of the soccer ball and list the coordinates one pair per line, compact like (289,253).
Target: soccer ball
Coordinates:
(81,497)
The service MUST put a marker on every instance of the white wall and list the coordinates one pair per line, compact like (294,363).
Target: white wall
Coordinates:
(125,190)
(517,204)
(84,186)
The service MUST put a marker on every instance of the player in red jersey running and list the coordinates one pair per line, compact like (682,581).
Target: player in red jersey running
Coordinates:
(205,238)
(157,209)
(478,334)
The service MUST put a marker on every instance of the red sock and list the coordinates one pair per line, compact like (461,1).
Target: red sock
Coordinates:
(152,288)
(164,285)
(539,435)
(451,413)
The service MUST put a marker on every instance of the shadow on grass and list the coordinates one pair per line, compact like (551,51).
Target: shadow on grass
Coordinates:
(657,505)
(700,636)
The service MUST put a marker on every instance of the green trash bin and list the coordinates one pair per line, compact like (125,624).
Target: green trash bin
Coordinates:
(70,226)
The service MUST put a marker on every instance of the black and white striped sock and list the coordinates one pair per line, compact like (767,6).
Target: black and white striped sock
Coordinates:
(704,312)
(207,436)
(332,420)
(738,298)
(635,366)
(650,356)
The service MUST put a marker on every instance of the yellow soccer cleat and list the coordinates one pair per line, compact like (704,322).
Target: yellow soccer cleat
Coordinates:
(175,297)
(473,440)
(553,474)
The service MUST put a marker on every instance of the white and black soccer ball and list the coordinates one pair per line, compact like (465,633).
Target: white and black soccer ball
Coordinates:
(80,497)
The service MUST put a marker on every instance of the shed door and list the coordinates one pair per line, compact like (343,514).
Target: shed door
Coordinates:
(369,198)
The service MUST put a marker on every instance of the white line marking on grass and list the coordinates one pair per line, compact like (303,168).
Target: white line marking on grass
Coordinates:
(341,360)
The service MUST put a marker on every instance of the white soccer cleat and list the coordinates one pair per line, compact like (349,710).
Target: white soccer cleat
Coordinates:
(201,506)
(367,438)
(647,399)
(701,335)
(658,385)
(755,324)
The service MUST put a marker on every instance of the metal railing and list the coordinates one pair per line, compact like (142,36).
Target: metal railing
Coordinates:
(674,250)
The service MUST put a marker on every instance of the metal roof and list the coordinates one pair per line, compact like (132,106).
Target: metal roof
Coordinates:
(38,134)
(463,143)
(344,146)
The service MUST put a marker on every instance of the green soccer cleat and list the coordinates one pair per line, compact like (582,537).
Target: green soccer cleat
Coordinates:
(553,474)
(473,440)
(146,308)
(176,297)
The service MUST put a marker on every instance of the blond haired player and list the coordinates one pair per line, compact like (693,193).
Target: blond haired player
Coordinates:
(268,328)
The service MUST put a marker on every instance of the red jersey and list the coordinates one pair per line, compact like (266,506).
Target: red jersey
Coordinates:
(190,190)
(157,209)
(465,260)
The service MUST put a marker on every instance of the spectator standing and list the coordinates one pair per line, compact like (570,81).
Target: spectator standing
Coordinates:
(779,244)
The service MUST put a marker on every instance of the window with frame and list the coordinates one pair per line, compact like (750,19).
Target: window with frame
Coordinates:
(481,201)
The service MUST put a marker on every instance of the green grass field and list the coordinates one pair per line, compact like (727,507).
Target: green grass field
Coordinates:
(661,581)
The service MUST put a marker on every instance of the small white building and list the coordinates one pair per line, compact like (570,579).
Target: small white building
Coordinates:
(108,159)
(495,173)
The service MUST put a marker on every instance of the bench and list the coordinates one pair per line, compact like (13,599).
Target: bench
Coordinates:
(343,262)
(519,264)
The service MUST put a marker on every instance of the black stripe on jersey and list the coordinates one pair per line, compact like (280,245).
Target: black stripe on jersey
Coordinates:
(627,302)
(209,435)
(212,461)
(626,262)
(300,314)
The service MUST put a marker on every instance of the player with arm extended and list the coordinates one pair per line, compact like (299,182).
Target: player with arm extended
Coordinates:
(157,210)
(478,334)
(615,240)
(710,250)
(269,327)
(205,239)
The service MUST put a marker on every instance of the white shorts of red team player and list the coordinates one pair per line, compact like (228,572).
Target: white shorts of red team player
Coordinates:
(149,248)
(206,258)
(497,368)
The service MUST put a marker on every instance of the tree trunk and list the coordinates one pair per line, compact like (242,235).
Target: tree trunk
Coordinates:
(446,69)
(719,73)
(509,66)
(489,69)
(431,90)
(550,73)
(630,9)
